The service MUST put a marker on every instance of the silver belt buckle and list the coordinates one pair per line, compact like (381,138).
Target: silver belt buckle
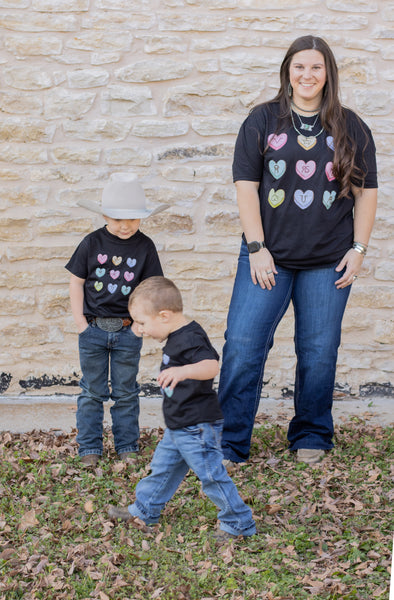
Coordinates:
(110,324)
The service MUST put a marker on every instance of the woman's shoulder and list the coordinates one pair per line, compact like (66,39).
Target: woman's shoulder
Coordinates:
(269,108)
(263,114)
(355,123)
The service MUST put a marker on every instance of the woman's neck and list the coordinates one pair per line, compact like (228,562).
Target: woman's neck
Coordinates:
(304,108)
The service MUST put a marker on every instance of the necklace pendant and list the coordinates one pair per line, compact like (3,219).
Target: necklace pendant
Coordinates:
(306,126)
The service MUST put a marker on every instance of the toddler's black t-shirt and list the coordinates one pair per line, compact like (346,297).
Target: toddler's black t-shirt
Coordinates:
(191,401)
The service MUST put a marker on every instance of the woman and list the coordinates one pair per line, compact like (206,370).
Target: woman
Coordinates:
(305,173)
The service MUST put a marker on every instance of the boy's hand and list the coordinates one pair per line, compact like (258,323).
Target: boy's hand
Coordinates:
(170,377)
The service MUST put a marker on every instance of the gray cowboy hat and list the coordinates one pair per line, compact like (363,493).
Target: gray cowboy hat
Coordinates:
(123,198)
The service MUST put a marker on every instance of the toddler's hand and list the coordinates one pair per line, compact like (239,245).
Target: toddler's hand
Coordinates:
(168,378)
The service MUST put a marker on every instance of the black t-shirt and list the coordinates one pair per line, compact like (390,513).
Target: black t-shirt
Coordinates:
(191,401)
(112,268)
(305,224)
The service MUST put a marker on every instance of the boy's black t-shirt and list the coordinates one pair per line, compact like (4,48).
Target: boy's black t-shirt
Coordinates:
(112,268)
(305,224)
(191,401)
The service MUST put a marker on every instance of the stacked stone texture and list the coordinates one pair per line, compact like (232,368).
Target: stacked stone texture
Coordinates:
(160,88)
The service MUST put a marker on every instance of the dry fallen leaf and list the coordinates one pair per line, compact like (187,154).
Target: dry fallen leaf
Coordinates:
(88,506)
(28,520)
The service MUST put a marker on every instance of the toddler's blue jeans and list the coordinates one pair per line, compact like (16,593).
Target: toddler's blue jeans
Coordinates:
(197,448)
(103,356)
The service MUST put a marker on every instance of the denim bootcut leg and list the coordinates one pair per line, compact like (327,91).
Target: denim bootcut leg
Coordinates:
(197,448)
(254,315)
(101,352)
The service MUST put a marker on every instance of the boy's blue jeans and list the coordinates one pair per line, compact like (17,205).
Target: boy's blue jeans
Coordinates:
(254,315)
(103,355)
(197,448)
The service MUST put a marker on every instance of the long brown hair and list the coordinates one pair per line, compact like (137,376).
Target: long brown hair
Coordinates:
(332,113)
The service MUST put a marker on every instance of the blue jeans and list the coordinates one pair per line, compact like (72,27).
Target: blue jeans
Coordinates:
(101,353)
(197,448)
(254,315)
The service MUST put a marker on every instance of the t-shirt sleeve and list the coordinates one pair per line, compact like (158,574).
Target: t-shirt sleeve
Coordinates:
(200,349)
(249,147)
(365,158)
(78,263)
(152,266)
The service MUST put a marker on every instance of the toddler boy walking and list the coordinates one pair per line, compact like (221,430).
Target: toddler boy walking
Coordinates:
(106,266)
(192,439)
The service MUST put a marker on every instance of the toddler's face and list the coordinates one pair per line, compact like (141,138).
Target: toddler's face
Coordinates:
(122,228)
(153,325)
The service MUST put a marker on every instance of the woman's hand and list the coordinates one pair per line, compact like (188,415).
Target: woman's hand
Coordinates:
(262,269)
(351,262)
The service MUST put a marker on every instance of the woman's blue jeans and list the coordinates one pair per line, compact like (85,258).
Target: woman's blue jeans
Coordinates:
(254,315)
(105,355)
(197,448)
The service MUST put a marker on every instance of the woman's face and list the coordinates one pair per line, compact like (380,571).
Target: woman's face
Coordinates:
(308,75)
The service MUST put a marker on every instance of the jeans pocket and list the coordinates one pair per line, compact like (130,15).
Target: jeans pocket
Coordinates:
(193,429)
(85,330)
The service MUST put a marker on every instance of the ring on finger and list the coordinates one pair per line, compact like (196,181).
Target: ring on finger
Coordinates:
(269,272)
(354,277)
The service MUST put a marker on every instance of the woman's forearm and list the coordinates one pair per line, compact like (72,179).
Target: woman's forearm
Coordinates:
(365,201)
(249,210)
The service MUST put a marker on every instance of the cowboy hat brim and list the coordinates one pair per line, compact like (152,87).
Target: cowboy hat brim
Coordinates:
(122,213)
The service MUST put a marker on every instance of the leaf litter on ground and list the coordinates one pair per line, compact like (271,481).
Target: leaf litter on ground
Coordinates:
(325,531)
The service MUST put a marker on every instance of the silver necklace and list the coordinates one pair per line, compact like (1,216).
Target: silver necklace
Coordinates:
(306,126)
(306,142)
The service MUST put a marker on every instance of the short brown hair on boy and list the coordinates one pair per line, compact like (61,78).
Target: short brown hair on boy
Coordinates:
(157,293)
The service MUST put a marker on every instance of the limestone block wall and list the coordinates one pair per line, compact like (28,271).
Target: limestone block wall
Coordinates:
(160,88)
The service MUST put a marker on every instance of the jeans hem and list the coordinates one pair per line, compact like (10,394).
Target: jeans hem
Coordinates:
(88,452)
(135,512)
(127,449)
(245,532)
(303,446)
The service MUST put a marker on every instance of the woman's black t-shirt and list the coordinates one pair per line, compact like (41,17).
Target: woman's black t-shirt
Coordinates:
(305,224)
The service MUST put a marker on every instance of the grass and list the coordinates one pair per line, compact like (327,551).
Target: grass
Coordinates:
(324,532)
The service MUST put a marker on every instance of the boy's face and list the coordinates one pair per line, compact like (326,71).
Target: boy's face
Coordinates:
(122,228)
(154,325)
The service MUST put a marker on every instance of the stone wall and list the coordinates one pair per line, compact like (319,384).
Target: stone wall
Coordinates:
(159,88)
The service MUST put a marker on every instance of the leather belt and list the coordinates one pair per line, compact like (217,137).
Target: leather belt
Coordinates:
(110,324)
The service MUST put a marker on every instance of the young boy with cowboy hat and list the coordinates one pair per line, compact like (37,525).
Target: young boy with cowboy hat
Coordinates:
(105,268)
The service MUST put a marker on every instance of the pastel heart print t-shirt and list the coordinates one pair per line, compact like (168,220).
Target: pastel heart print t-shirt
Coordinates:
(112,268)
(305,224)
(191,401)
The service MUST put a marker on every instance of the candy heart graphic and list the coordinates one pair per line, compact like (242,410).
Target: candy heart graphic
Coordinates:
(306,142)
(126,289)
(277,169)
(303,199)
(112,287)
(98,285)
(328,199)
(305,170)
(329,173)
(169,392)
(330,142)
(114,274)
(128,275)
(277,141)
(131,262)
(100,272)
(276,197)
(102,258)
(116,260)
